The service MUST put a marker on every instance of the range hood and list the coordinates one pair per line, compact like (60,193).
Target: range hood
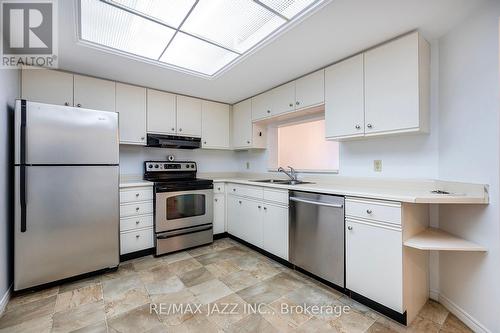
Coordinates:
(173,141)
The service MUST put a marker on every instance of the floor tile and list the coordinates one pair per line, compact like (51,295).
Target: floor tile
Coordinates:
(145,263)
(125,269)
(197,323)
(222,268)
(352,322)
(183,266)
(262,292)
(196,276)
(167,314)
(260,269)
(253,323)
(31,296)
(28,311)
(90,281)
(239,280)
(434,311)
(315,325)
(178,256)
(422,325)
(72,299)
(99,327)
(160,280)
(358,307)
(140,319)
(227,310)
(78,317)
(379,328)
(37,325)
(285,315)
(123,294)
(210,291)
(453,325)
(213,257)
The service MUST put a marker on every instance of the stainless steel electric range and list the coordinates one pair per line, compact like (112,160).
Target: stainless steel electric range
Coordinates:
(183,205)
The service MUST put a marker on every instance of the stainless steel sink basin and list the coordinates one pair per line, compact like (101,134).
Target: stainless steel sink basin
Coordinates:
(281,181)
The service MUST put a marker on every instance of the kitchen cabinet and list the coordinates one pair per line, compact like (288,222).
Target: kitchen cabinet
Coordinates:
(215,123)
(219,214)
(374,262)
(344,99)
(283,99)
(131,105)
(397,86)
(262,105)
(47,86)
(245,134)
(310,90)
(188,116)
(275,230)
(161,112)
(244,219)
(92,93)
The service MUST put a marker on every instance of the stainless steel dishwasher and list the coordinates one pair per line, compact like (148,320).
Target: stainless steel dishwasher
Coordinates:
(317,235)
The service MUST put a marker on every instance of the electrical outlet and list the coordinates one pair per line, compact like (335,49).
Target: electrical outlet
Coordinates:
(377,165)
(248,165)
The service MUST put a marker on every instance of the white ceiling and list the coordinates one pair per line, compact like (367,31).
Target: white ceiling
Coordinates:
(338,30)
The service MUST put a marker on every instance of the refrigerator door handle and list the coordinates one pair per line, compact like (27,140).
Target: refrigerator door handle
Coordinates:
(22,168)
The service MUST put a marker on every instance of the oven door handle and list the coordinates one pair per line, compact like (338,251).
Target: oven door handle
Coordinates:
(186,231)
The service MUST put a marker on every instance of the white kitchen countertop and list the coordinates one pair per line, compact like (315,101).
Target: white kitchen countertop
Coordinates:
(402,190)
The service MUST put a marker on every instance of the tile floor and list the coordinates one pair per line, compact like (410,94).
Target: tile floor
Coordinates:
(215,284)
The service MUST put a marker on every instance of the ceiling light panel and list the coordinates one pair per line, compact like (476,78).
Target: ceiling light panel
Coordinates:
(235,24)
(107,25)
(287,8)
(196,55)
(171,12)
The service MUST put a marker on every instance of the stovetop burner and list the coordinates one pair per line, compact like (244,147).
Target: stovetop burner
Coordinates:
(174,176)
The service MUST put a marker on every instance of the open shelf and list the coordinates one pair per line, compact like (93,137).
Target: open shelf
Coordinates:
(435,239)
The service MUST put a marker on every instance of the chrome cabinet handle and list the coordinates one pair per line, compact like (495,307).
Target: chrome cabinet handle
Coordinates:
(173,129)
(239,201)
(234,190)
(66,104)
(349,227)
(357,127)
(216,200)
(137,236)
(137,222)
(297,103)
(265,208)
(268,111)
(78,105)
(369,211)
(204,142)
(218,188)
(248,142)
(136,209)
(369,125)
(290,105)
(259,207)
(137,194)
(180,129)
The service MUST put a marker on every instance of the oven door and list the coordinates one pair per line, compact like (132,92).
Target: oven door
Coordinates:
(176,210)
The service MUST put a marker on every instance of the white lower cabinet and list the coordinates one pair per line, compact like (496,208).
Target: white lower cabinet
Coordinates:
(219,214)
(275,230)
(136,219)
(259,222)
(374,262)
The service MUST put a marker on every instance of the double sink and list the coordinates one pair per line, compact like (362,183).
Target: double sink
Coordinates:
(281,181)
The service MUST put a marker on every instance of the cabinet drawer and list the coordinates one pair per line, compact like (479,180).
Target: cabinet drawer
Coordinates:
(278,196)
(138,208)
(246,191)
(384,211)
(136,194)
(138,222)
(218,188)
(136,240)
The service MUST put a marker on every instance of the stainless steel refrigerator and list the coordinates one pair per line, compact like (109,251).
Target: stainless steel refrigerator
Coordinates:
(66,192)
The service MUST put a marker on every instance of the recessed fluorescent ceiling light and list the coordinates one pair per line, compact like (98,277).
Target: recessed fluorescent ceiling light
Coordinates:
(198,36)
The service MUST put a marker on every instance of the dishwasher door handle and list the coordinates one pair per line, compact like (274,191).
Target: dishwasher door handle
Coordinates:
(318,203)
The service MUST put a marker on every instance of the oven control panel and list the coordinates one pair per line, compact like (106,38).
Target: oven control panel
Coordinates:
(162,166)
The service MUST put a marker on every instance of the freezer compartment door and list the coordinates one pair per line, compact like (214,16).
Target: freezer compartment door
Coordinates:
(55,134)
(72,223)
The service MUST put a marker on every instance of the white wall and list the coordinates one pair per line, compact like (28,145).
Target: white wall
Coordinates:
(469,152)
(9,90)
(132,158)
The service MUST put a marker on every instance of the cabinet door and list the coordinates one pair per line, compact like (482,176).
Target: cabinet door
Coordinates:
(131,104)
(374,266)
(219,214)
(262,105)
(344,99)
(275,234)
(188,116)
(392,86)
(161,115)
(245,219)
(47,86)
(283,98)
(215,125)
(310,90)
(242,124)
(92,93)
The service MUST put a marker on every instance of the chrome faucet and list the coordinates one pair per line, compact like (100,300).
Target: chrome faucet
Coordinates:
(292,174)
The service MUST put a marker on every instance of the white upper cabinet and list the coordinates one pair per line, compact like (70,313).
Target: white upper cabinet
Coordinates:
(344,99)
(310,90)
(242,124)
(283,98)
(161,112)
(397,86)
(46,86)
(92,93)
(215,125)
(188,116)
(262,106)
(131,104)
